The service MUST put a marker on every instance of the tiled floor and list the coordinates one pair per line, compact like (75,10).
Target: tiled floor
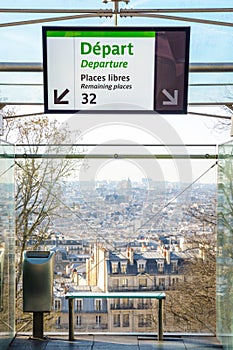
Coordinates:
(111,342)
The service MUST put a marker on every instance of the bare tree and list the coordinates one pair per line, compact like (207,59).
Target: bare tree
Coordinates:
(38,178)
(192,304)
(38,185)
(224,123)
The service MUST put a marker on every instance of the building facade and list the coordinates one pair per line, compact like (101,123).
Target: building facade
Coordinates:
(111,271)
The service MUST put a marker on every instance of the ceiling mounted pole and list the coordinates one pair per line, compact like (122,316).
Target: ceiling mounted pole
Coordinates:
(116,8)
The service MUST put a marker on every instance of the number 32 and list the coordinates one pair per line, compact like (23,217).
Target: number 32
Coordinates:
(89,98)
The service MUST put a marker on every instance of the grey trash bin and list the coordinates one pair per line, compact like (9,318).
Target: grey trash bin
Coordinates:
(38,281)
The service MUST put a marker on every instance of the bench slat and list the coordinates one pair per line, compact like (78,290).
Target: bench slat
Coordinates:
(116,295)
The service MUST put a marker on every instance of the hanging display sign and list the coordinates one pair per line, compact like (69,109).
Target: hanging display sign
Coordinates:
(115,69)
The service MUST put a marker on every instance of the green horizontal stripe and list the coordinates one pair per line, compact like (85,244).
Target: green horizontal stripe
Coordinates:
(97,34)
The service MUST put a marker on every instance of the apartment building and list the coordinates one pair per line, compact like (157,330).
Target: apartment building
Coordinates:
(112,271)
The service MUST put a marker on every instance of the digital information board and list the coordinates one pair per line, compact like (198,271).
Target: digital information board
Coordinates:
(115,69)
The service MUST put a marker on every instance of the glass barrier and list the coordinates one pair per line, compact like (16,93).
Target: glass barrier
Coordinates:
(7,245)
(225,246)
(122,219)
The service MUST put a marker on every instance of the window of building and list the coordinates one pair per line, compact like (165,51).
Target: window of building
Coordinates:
(79,304)
(141,267)
(145,303)
(160,266)
(162,283)
(124,282)
(148,320)
(141,264)
(125,320)
(98,319)
(142,282)
(174,266)
(57,304)
(79,321)
(125,302)
(175,280)
(116,320)
(123,267)
(115,304)
(114,267)
(140,320)
(144,320)
(98,304)
(115,283)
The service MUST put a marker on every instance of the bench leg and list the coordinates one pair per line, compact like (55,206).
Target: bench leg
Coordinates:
(160,320)
(71,319)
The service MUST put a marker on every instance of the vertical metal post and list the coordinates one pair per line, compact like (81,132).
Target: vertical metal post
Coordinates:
(71,319)
(116,9)
(160,320)
(38,325)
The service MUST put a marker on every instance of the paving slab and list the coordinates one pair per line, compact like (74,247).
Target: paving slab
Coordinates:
(25,343)
(113,342)
(201,343)
(166,344)
(83,344)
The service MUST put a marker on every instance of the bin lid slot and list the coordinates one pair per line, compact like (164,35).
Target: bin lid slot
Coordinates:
(37,254)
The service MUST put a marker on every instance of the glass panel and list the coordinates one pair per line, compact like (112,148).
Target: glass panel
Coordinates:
(225,246)
(117,211)
(7,245)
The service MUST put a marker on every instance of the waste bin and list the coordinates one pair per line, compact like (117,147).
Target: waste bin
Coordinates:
(37,281)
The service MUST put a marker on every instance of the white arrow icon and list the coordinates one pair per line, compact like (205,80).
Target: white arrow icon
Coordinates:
(172,100)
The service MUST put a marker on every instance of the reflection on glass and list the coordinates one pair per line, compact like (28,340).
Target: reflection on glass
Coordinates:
(7,241)
(225,246)
(2,250)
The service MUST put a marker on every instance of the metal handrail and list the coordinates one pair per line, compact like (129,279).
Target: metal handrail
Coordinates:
(208,67)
